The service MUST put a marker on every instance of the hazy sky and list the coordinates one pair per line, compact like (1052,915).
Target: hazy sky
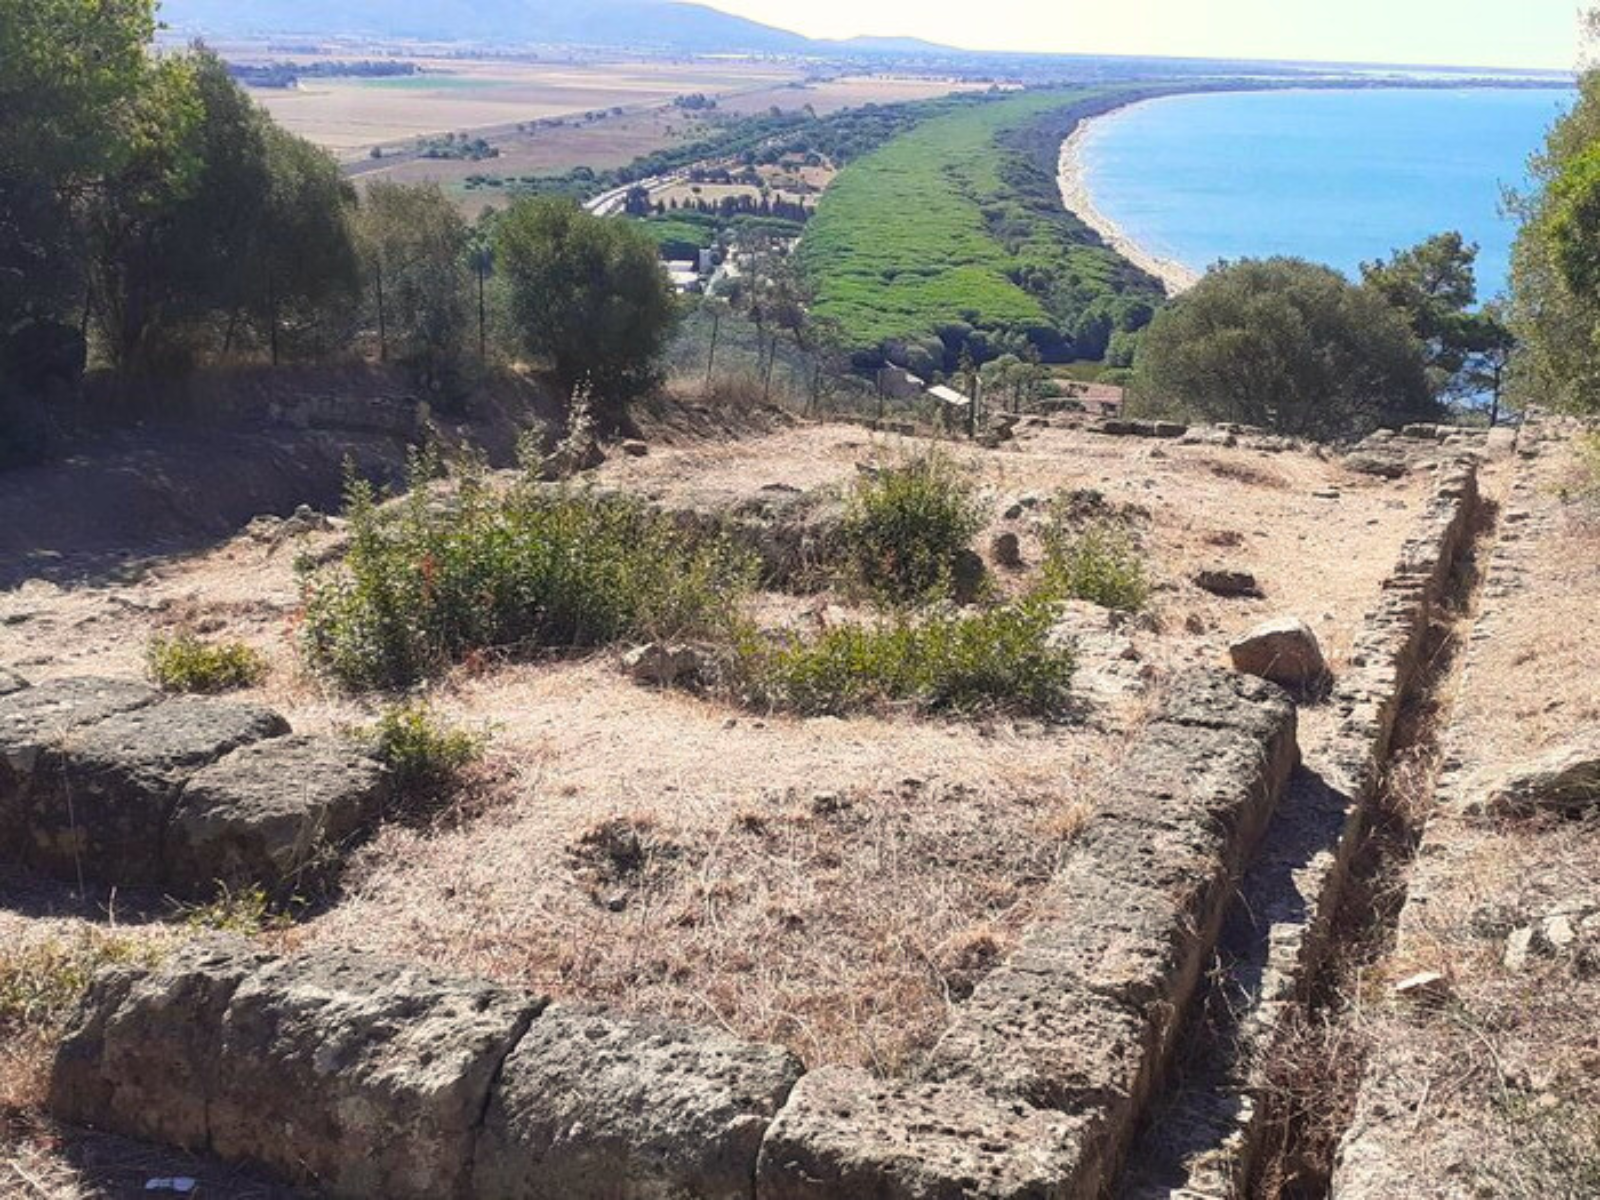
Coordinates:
(1514,33)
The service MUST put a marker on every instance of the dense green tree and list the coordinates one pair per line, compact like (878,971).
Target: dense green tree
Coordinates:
(76,93)
(1555,272)
(1285,344)
(588,295)
(308,273)
(1434,286)
(230,225)
(414,246)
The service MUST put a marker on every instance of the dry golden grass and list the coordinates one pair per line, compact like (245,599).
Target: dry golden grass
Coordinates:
(1493,1091)
(350,115)
(828,884)
(779,876)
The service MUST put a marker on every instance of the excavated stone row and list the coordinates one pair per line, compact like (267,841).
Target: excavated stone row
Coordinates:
(371,1078)
(1371,1160)
(1035,1089)
(1201,1143)
(106,780)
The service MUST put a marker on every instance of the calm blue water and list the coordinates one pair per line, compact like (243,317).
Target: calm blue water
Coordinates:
(1335,177)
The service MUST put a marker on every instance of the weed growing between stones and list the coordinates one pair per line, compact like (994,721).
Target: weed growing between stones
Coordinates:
(40,985)
(185,663)
(246,912)
(441,576)
(999,659)
(906,528)
(1100,563)
(424,755)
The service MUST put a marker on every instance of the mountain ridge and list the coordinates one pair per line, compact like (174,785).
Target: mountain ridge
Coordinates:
(655,24)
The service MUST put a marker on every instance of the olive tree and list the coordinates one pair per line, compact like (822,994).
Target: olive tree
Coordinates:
(588,295)
(1285,344)
(414,249)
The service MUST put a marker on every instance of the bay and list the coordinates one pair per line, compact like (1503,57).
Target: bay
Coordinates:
(1337,177)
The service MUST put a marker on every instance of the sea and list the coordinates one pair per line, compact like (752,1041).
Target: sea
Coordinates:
(1337,177)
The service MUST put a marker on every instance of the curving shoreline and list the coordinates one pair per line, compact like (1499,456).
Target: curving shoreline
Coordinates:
(1072,177)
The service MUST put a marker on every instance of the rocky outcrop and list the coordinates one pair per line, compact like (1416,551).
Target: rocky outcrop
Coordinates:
(1227,582)
(670,664)
(372,1078)
(1284,650)
(33,718)
(101,797)
(11,682)
(366,1077)
(594,1105)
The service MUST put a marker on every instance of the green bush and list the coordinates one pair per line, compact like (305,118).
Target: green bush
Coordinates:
(1101,564)
(995,660)
(185,663)
(906,526)
(440,578)
(422,753)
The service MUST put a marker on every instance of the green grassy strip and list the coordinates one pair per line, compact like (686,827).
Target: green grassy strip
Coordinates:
(959,221)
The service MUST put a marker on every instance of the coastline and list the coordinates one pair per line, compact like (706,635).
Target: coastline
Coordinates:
(1072,177)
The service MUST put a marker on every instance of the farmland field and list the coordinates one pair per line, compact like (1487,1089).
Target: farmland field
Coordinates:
(957,223)
(350,115)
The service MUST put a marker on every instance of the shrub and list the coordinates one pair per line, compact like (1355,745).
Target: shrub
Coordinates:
(1100,564)
(995,660)
(185,663)
(906,526)
(421,752)
(437,579)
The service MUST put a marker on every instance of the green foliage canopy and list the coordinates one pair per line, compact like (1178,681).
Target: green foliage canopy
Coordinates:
(589,295)
(1284,344)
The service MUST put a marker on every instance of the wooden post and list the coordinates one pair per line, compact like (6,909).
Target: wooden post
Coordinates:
(711,356)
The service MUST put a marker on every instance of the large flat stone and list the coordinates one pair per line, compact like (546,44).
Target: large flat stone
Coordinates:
(361,1076)
(845,1135)
(591,1106)
(267,813)
(141,1058)
(101,795)
(365,1076)
(33,717)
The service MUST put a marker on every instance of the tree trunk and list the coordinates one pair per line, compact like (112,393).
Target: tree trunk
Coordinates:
(483,325)
(383,327)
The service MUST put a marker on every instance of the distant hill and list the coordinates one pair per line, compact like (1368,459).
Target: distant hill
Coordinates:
(664,24)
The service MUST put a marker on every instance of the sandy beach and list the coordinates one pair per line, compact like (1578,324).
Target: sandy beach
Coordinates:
(1174,276)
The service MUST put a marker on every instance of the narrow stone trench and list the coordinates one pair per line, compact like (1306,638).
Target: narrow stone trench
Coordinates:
(1315,1078)
(1268,1068)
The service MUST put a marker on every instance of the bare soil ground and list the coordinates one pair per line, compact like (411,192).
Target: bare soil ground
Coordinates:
(350,115)
(1491,1090)
(835,885)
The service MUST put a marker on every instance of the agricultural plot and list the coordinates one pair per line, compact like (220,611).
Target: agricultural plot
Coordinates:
(958,223)
(349,116)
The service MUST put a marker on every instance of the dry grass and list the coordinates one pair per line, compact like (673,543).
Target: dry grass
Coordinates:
(833,899)
(778,876)
(1492,1091)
